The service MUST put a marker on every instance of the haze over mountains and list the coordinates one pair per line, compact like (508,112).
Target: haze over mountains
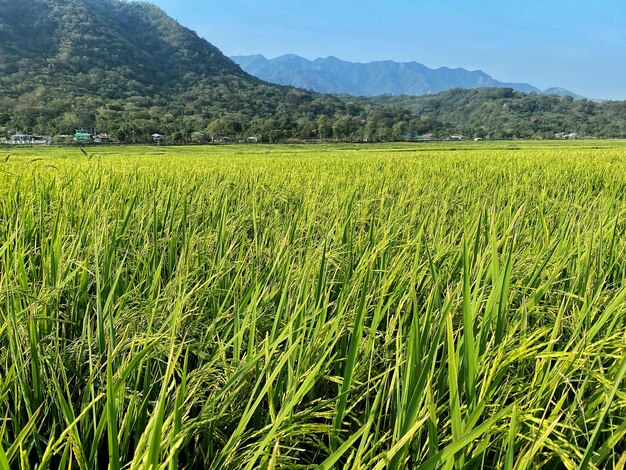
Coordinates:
(332,75)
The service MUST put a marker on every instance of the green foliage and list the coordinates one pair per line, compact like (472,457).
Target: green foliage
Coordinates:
(505,113)
(430,306)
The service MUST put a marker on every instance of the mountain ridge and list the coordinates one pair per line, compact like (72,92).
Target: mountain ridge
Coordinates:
(333,75)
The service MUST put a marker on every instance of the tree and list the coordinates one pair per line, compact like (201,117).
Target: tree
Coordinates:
(324,127)
(343,127)
(398,130)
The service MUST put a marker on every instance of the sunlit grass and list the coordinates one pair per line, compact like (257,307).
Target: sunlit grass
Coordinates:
(398,306)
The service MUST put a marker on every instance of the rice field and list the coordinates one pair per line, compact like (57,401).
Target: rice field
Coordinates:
(452,305)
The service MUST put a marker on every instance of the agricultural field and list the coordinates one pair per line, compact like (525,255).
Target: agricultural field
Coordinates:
(445,305)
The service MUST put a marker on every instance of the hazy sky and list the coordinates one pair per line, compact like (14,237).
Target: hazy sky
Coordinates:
(577,45)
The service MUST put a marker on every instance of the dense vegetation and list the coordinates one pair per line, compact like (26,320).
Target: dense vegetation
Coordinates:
(506,114)
(277,307)
(129,69)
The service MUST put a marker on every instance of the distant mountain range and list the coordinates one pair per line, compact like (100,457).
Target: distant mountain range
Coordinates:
(332,75)
(563,92)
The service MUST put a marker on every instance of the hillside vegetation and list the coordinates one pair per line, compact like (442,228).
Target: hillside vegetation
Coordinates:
(505,113)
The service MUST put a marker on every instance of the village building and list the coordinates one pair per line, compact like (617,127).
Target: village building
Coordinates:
(19,138)
(566,136)
(42,139)
(101,138)
(82,136)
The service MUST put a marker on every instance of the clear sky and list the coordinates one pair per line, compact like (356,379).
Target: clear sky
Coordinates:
(574,44)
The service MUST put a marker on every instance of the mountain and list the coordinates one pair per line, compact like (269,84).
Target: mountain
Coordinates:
(129,69)
(332,75)
(101,48)
(562,92)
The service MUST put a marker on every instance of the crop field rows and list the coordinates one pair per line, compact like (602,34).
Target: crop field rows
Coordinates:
(291,307)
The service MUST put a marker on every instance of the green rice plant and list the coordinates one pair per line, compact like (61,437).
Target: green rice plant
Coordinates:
(292,307)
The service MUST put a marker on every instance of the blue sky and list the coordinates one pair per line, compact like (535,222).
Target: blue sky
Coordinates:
(577,45)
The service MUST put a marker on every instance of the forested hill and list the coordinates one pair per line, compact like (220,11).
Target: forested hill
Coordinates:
(114,49)
(506,113)
(129,69)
